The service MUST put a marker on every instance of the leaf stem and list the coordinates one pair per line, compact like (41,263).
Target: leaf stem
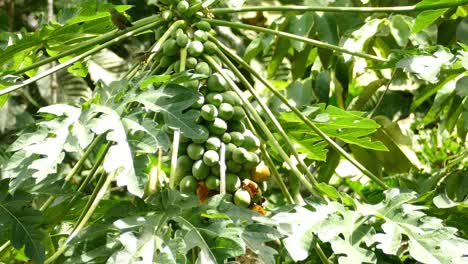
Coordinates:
(296,8)
(276,175)
(175,150)
(270,115)
(372,112)
(183,59)
(306,120)
(91,174)
(95,202)
(157,47)
(75,169)
(222,169)
(321,254)
(251,110)
(5,246)
(320,44)
(77,58)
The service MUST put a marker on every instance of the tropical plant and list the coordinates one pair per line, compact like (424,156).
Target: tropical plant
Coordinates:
(232,131)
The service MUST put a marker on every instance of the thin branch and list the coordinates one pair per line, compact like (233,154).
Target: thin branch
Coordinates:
(295,8)
(175,149)
(98,40)
(371,113)
(320,44)
(157,47)
(96,199)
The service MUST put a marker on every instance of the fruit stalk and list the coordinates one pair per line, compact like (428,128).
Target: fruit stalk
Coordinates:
(96,197)
(260,122)
(270,115)
(175,150)
(164,37)
(296,111)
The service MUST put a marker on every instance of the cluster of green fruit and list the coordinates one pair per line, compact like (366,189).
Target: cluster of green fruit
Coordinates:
(221,115)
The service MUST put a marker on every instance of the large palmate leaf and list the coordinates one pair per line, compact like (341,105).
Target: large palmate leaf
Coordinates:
(343,229)
(119,157)
(37,154)
(24,48)
(429,241)
(352,233)
(144,246)
(299,227)
(348,126)
(172,100)
(348,235)
(21,222)
(255,237)
(69,129)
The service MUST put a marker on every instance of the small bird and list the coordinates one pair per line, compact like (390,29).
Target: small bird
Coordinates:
(119,20)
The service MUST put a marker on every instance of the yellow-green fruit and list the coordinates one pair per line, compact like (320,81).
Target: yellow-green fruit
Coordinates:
(195,48)
(170,47)
(184,163)
(239,113)
(200,170)
(213,143)
(211,158)
(203,68)
(218,127)
(226,138)
(195,151)
(216,83)
(209,47)
(188,185)
(242,198)
(232,182)
(212,182)
(214,98)
(240,155)
(251,142)
(191,63)
(200,35)
(209,112)
(199,103)
(182,40)
(237,138)
(260,173)
(183,6)
(203,25)
(226,111)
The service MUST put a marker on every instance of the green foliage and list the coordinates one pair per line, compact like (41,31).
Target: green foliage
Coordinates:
(348,126)
(387,226)
(20,223)
(89,151)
